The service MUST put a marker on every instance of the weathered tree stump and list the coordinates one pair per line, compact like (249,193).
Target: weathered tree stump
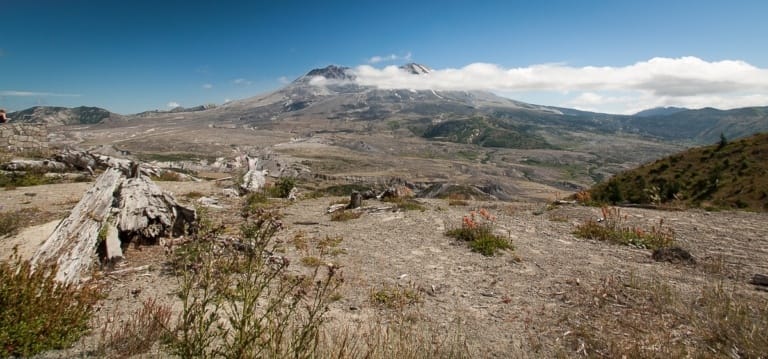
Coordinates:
(139,209)
(355,200)
(255,179)
(72,244)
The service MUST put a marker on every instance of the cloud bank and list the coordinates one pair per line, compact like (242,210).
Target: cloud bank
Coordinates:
(36,94)
(173,104)
(686,81)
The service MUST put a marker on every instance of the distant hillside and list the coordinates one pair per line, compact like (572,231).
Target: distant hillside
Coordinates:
(62,115)
(726,175)
(705,125)
(485,133)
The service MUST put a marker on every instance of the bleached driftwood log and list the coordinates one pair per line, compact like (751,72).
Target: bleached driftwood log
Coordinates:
(255,179)
(72,244)
(87,161)
(139,209)
(25,165)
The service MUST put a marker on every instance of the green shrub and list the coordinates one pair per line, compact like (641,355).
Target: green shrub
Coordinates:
(37,313)
(613,229)
(396,297)
(345,215)
(282,187)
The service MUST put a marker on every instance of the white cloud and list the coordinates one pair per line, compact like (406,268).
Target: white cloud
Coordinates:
(226,100)
(173,104)
(685,81)
(390,57)
(37,94)
(241,82)
(283,80)
(207,86)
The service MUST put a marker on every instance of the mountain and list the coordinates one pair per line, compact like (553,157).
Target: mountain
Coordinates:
(725,175)
(62,115)
(660,111)
(331,93)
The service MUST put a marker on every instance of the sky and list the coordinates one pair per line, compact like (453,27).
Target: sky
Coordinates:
(608,56)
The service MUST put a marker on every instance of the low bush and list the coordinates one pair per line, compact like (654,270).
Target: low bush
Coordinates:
(37,313)
(477,229)
(9,223)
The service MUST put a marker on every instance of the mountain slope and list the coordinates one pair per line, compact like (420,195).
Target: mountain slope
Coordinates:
(62,115)
(729,174)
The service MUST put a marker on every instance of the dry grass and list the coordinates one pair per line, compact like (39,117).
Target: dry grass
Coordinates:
(138,333)
(629,317)
(399,338)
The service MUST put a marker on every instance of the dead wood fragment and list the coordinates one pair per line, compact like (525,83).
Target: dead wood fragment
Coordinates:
(759,279)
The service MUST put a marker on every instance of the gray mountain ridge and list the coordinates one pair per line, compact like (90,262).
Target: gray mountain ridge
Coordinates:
(332,93)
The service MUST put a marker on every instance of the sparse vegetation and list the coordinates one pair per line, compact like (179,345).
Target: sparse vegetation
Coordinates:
(345,215)
(169,176)
(255,201)
(9,223)
(32,177)
(222,313)
(477,229)
(612,228)
(37,313)
(193,195)
(396,297)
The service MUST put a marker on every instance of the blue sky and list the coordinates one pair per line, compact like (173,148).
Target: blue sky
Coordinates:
(132,56)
